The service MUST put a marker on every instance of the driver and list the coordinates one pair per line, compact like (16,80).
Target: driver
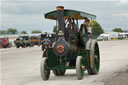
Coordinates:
(70,24)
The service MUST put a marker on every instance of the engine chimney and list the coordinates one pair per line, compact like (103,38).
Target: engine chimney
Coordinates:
(60,21)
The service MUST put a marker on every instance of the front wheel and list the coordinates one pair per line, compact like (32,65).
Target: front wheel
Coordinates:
(79,70)
(45,73)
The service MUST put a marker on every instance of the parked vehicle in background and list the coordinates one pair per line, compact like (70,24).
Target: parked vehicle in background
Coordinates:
(23,41)
(4,43)
(112,36)
(122,35)
(47,40)
(35,40)
(103,37)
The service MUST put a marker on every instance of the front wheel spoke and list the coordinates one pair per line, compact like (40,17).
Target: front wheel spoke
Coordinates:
(82,72)
(96,59)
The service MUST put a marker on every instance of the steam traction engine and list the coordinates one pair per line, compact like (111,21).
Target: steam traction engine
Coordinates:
(72,48)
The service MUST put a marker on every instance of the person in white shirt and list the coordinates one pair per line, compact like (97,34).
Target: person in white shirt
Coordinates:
(88,27)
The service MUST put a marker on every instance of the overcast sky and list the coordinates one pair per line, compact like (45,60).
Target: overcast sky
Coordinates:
(28,14)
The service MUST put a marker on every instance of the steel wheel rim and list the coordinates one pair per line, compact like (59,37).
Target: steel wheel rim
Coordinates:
(97,58)
(46,71)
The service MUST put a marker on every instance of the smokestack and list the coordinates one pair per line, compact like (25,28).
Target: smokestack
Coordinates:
(60,20)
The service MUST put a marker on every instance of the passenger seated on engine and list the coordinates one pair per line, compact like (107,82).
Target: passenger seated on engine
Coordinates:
(88,27)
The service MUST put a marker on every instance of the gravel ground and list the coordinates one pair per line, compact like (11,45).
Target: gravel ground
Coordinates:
(22,67)
(120,79)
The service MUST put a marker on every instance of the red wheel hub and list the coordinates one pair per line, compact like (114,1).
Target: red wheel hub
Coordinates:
(60,48)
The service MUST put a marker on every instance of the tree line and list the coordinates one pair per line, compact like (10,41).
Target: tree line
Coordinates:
(96,30)
(15,31)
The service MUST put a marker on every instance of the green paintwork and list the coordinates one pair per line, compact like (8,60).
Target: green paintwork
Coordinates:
(54,63)
(52,59)
(97,57)
(85,35)
(84,54)
(70,13)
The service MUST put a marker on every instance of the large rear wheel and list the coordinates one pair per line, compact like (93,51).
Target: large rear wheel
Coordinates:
(94,57)
(45,73)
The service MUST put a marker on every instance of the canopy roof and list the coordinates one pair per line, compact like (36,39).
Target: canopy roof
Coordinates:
(70,13)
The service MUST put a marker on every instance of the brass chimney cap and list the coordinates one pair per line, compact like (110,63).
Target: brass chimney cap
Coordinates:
(60,7)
